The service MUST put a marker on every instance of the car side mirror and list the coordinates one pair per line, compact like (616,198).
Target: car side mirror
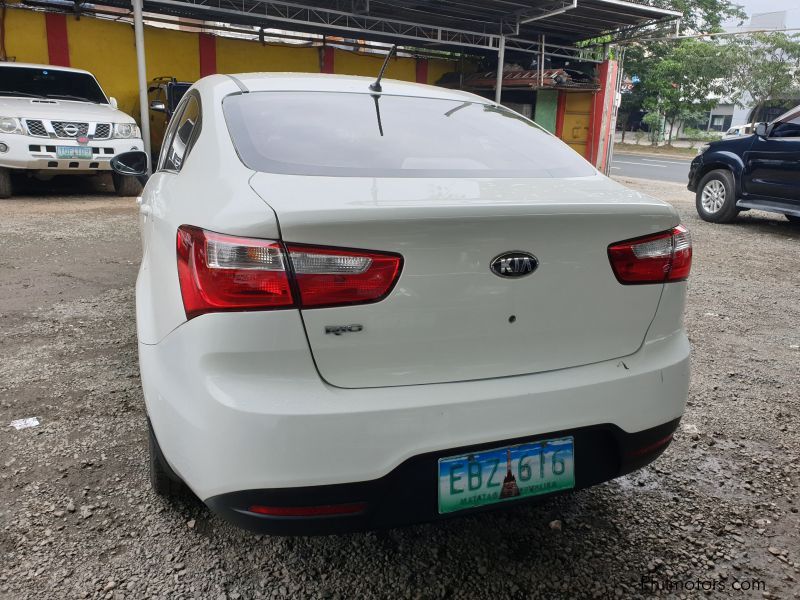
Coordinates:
(113,102)
(762,130)
(133,163)
(158,106)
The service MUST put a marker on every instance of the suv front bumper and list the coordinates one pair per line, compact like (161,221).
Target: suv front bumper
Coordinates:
(31,153)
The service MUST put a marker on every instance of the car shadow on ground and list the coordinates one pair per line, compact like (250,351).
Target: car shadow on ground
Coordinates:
(62,185)
(767,223)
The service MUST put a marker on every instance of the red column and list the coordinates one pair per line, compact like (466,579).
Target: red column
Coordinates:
(601,126)
(422,70)
(561,110)
(327,60)
(57,40)
(208,54)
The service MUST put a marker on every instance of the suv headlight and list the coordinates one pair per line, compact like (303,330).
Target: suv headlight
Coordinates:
(702,149)
(10,125)
(126,130)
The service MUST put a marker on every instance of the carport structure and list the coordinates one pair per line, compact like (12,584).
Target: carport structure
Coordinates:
(571,30)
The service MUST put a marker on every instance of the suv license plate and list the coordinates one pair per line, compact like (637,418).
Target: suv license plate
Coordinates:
(502,474)
(73,152)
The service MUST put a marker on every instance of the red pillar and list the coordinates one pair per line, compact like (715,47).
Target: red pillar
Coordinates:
(208,54)
(422,70)
(561,110)
(601,124)
(57,40)
(327,60)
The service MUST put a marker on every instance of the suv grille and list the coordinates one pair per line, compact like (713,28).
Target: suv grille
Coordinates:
(102,131)
(36,128)
(66,129)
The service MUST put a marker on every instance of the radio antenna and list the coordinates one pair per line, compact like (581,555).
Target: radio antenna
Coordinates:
(376,87)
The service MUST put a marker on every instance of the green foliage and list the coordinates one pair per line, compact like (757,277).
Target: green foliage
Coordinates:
(765,66)
(697,135)
(685,82)
(678,78)
(703,16)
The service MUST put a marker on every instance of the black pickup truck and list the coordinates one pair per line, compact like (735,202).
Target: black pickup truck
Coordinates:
(760,171)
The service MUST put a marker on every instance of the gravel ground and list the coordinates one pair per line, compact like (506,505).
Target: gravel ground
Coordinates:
(78,519)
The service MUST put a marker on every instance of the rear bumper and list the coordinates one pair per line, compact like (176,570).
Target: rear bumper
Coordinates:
(408,494)
(33,153)
(237,404)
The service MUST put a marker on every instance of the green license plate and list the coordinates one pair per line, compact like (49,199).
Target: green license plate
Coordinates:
(502,474)
(73,152)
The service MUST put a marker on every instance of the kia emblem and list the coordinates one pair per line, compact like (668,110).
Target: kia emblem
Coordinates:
(514,264)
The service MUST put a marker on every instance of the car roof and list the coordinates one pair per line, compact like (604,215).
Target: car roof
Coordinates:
(323,82)
(789,114)
(49,67)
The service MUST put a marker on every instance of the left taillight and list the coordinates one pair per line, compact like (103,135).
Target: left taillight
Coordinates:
(657,258)
(221,273)
(224,273)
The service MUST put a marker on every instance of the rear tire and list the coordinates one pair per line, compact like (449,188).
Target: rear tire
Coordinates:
(793,219)
(126,185)
(163,479)
(5,183)
(716,197)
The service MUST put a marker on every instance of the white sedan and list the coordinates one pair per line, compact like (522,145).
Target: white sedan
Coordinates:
(362,308)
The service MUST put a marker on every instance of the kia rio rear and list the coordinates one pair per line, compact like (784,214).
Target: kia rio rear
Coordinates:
(361,309)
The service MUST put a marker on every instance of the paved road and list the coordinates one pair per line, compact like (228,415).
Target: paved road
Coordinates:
(659,168)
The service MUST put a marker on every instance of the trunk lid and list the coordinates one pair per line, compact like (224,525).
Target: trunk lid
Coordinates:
(450,318)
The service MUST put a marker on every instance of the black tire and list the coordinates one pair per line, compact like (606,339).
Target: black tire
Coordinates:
(5,183)
(125,185)
(163,479)
(721,194)
(795,220)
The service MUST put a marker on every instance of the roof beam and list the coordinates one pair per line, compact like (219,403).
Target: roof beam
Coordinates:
(544,14)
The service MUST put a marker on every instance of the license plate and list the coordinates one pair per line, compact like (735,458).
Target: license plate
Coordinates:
(503,474)
(73,152)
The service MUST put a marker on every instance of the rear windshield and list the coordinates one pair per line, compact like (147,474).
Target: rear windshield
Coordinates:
(347,134)
(50,83)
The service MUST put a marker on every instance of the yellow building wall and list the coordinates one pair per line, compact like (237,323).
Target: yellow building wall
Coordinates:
(244,56)
(26,36)
(577,120)
(106,48)
(357,63)
(167,53)
(437,68)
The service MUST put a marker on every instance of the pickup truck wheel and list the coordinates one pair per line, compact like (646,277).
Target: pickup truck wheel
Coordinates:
(125,185)
(5,183)
(716,197)
(163,479)
(793,219)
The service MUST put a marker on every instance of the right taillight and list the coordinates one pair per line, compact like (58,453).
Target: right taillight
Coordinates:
(657,258)
(219,273)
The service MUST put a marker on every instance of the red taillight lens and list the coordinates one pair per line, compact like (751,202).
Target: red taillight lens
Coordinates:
(331,276)
(657,258)
(225,273)
(310,511)
(222,273)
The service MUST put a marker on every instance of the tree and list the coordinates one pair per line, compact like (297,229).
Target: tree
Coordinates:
(643,59)
(766,66)
(686,81)
(630,102)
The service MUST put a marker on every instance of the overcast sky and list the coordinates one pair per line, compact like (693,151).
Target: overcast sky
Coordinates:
(762,6)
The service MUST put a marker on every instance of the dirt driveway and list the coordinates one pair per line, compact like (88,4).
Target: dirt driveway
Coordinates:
(77,518)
